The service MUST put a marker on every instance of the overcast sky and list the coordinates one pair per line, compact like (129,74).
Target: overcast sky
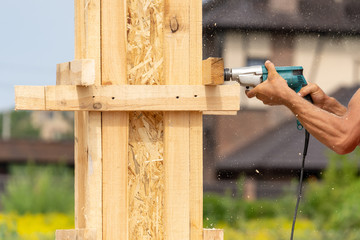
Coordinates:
(35,36)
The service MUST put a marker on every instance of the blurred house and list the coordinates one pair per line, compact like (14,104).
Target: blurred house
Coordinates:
(35,151)
(323,36)
(53,125)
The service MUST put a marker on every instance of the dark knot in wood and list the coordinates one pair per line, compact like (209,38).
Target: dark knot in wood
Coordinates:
(174,25)
(97,106)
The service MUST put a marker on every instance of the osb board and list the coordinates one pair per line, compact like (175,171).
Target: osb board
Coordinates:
(146,171)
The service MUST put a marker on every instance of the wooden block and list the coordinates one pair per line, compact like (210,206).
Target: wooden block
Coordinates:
(76,234)
(213,71)
(29,98)
(78,72)
(213,234)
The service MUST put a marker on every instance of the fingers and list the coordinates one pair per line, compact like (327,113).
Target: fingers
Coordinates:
(310,88)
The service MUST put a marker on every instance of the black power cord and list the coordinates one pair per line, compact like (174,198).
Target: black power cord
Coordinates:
(306,145)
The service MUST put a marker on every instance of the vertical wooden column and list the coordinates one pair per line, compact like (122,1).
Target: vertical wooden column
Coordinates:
(183,130)
(88,155)
(114,124)
(196,125)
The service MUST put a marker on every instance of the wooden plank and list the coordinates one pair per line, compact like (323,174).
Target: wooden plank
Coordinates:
(88,169)
(77,72)
(176,132)
(81,157)
(133,98)
(213,234)
(196,125)
(196,176)
(29,97)
(228,113)
(114,124)
(76,234)
(177,175)
(115,151)
(213,71)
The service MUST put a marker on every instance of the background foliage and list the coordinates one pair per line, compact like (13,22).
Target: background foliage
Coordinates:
(329,210)
(40,199)
(39,189)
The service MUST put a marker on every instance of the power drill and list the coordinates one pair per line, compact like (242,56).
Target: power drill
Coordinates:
(252,76)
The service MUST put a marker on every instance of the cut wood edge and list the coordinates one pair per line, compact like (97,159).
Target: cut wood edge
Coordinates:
(213,234)
(30,98)
(213,71)
(79,72)
(76,234)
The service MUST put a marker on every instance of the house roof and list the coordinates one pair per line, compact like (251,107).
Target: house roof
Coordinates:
(322,16)
(281,148)
(20,151)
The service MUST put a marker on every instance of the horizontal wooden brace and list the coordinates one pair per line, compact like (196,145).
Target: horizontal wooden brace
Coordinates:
(129,98)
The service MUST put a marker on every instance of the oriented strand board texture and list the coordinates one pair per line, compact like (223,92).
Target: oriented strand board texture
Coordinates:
(146,172)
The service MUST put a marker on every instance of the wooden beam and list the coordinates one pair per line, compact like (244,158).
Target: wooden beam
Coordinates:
(30,98)
(213,71)
(176,132)
(228,113)
(77,72)
(196,124)
(130,98)
(88,159)
(76,234)
(115,125)
(213,234)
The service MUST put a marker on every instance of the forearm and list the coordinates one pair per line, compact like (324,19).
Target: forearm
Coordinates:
(333,106)
(327,126)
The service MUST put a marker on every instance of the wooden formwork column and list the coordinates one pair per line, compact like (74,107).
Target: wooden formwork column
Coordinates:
(139,174)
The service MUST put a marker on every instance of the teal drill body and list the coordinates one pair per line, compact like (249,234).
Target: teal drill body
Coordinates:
(292,74)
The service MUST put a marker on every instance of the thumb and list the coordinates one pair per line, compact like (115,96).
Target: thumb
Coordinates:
(250,93)
(271,68)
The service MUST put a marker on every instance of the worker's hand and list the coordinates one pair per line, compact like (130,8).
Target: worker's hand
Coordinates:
(323,101)
(274,91)
(317,94)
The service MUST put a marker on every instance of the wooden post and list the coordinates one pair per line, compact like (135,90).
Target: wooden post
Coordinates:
(138,160)
(88,152)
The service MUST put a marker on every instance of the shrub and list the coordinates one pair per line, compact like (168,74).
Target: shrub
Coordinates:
(39,189)
(333,202)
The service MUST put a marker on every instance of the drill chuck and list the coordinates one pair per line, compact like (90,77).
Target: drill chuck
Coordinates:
(227,74)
